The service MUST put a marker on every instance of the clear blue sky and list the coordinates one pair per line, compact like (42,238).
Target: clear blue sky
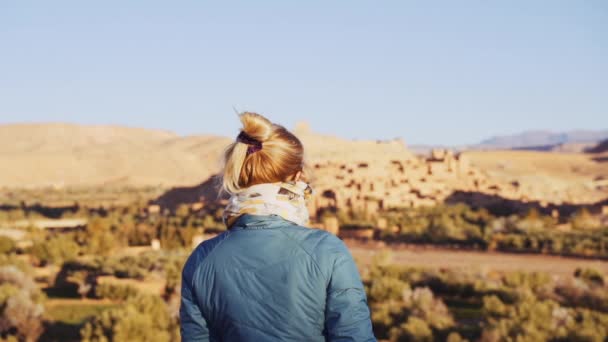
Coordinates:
(441,72)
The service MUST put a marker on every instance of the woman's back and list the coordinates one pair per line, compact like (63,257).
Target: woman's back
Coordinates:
(267,279)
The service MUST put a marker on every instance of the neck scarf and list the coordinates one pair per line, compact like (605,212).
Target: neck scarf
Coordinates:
(286,199)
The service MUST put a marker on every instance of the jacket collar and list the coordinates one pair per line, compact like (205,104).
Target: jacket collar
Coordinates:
(249,221)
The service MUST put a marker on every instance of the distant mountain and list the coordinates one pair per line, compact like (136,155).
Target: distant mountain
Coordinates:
(572,141)
(542,140)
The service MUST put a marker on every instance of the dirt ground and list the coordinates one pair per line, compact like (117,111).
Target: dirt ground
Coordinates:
(476,260)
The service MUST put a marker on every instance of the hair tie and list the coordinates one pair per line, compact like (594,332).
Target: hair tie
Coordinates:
(254,144)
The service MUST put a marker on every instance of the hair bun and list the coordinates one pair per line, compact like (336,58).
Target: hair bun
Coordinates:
(279,158)
(256,126)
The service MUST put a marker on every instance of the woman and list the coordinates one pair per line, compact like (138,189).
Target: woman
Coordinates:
(268,278)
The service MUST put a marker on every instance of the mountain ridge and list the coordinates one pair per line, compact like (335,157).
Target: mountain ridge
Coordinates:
(535,138)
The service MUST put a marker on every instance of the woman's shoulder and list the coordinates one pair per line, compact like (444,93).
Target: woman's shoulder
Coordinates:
(201,252)
(320,244)
(315,237)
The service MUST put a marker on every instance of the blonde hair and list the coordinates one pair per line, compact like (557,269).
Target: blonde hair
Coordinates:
(279,159)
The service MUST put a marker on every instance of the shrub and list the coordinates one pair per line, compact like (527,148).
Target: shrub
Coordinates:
(386,288)
(7,245)
(115,291)
(402,313)
(590,276)
(20,305)
(422,303)
(141,318)
(534,320)
(55,250)
(173,277)
(415,329)
(584,220)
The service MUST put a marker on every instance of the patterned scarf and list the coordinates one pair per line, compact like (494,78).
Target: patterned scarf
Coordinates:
(287,200)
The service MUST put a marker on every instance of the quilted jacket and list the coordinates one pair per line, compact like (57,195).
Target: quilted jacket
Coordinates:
(267,279)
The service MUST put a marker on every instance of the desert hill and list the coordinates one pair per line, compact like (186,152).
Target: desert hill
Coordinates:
(359,174)
(551,177)
(39,155)
(322,148)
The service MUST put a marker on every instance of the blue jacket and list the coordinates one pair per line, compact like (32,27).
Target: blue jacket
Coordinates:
(267,279)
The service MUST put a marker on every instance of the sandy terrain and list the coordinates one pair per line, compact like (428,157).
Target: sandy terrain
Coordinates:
(39,155)
(547,174)
(483,261)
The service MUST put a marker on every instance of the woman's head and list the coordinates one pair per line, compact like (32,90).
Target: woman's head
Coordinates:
(279,159)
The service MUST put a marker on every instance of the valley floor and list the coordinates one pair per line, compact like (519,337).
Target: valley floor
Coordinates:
(475,260)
